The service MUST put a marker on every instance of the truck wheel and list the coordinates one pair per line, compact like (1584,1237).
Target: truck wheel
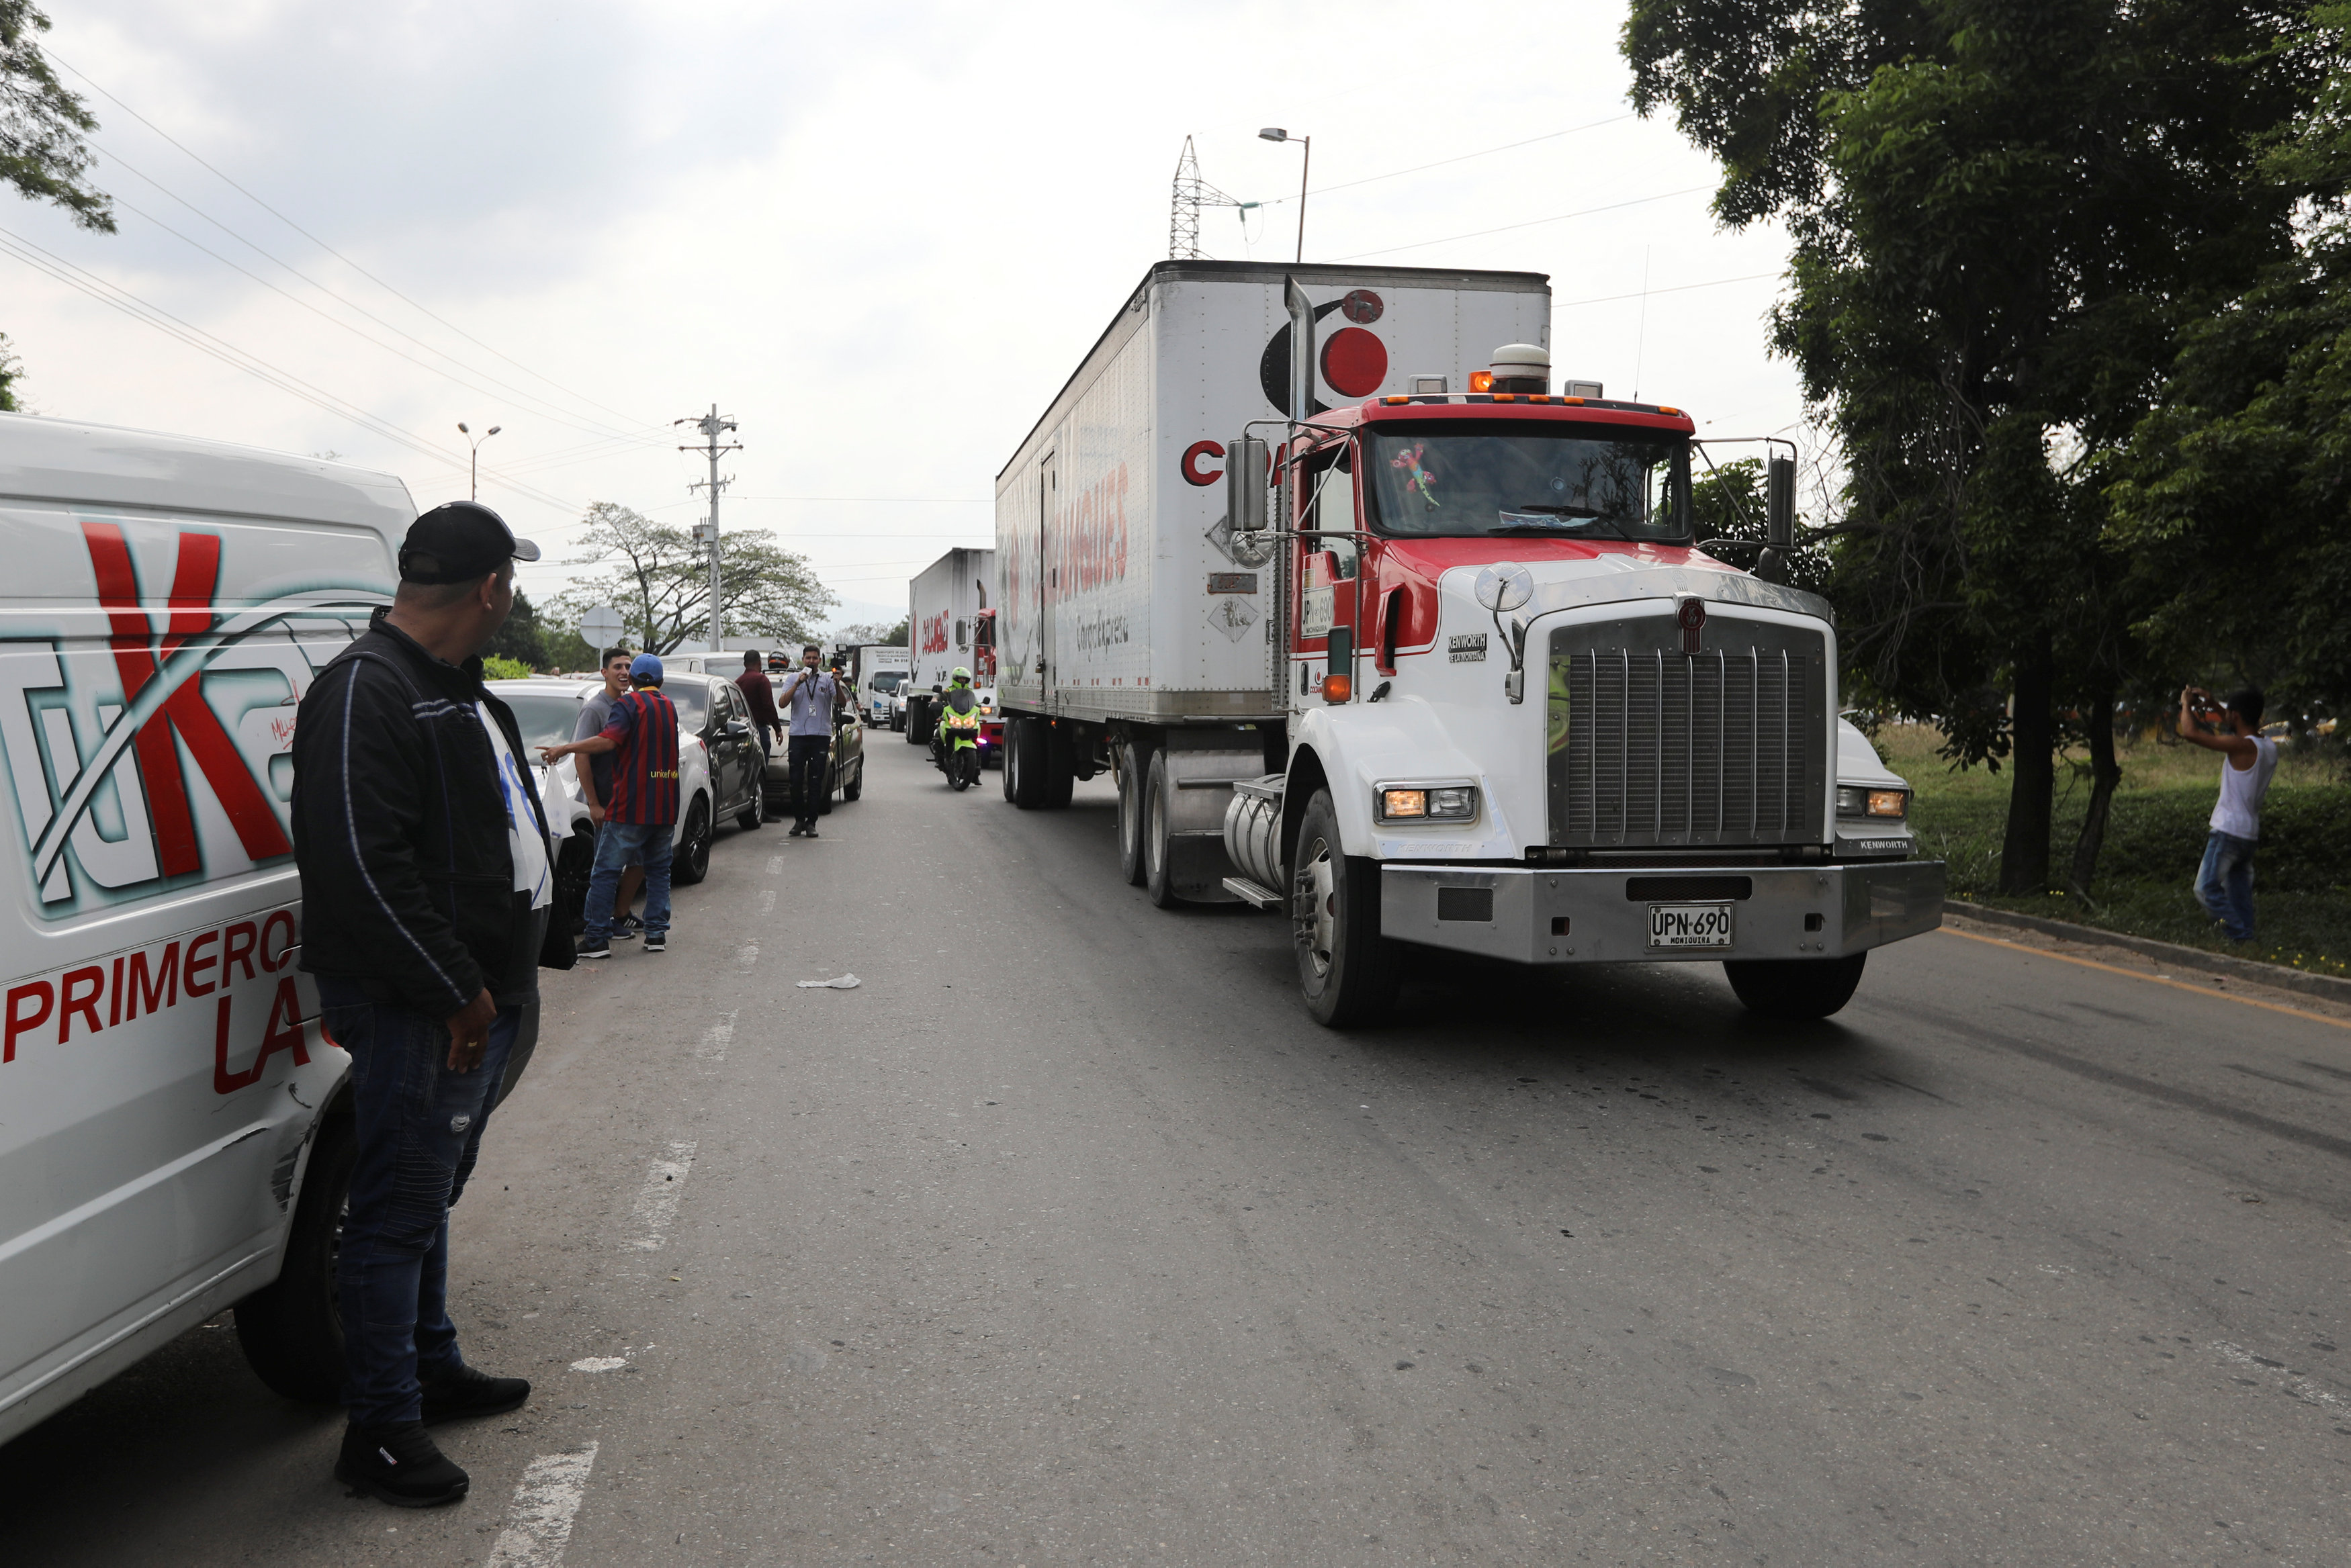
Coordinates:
(1132,779)
(1159,846)
(1346,969)
(1024,762)
(1060,766)
(291,1330)
(1794,988)
(690,862)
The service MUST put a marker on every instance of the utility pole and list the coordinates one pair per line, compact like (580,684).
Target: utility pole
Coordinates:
(712,427)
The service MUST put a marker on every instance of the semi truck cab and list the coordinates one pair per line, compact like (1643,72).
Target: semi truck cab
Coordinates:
(1528,717)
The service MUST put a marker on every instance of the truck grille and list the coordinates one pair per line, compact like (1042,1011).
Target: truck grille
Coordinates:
(1648,746)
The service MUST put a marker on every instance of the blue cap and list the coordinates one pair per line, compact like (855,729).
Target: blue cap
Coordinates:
(644,667)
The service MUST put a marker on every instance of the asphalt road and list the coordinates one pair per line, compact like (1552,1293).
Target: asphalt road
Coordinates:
(1068,1239)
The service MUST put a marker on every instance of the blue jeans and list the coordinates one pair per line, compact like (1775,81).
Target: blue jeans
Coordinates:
(2224,884)
(618,845)
(418,1127)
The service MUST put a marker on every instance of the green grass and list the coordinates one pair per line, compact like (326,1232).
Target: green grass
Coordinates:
(2154,838)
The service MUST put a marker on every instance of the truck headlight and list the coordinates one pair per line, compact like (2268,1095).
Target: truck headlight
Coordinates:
(1854,800)
(1437,803)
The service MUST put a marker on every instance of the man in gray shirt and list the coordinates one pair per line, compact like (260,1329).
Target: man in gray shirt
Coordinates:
(813,694)
(595,774)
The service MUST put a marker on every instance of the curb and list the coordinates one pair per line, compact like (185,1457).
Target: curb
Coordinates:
(2334,988)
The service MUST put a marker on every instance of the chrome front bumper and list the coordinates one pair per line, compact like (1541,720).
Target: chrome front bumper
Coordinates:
(1581,915)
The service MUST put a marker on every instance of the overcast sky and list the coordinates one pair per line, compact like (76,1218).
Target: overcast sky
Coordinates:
(878,236)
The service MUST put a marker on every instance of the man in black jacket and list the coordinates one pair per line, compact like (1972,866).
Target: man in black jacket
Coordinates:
(426,889)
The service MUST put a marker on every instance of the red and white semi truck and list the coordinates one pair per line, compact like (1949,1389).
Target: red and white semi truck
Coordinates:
(948,621)
(1377,627)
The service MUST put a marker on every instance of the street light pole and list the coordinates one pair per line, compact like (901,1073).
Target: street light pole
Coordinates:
(473,475)
(1275,133)
(712,425)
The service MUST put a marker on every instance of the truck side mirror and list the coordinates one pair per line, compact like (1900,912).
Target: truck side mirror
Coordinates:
(1246,465)
(1779,519)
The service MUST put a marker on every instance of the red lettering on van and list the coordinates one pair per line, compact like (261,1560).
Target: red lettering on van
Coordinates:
(269,925)
(155,993)
(236,948)
(188,970)
(86,1005)
(18,1023)
(282,1033)
(195,577)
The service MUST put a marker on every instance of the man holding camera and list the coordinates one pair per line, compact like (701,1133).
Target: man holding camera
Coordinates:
(814,694)
(2224,882)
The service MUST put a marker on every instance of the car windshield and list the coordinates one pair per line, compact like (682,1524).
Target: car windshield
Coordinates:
(692,696)
(886,679)
(1521,479)
(546,718)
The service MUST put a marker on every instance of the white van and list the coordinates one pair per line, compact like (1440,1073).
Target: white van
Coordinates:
(170,1137)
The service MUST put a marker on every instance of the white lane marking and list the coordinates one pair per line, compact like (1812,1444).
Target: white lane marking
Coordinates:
(657,1200)
(746,956)
(539,1521)
(774,864)
(767,902)
(2308,1390)
(599,1364)
(717,1038)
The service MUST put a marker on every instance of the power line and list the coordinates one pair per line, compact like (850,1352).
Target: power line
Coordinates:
(1531,222)
(541,408)
(1461,158)
(139,309)
(1677,289)
(322,244)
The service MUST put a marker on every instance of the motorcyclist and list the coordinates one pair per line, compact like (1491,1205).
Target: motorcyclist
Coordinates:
(958,714)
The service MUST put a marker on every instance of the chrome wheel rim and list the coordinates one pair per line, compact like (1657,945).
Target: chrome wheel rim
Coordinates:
(1313,907)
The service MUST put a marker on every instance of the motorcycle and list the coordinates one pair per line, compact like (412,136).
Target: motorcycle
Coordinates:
(955,750)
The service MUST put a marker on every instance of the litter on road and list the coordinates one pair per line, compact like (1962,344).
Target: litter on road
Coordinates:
(837,982)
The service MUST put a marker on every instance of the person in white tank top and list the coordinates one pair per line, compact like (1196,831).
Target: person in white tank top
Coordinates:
(2224,882)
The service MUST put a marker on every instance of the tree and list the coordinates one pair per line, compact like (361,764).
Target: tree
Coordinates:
(521,640)
(42,155)
(2003,215)
(874,632)
(658,577)
(2231,501)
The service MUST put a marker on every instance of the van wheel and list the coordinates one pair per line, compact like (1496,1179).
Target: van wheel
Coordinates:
(1346,969)
(691,861)
(1131,781)
(291,1330)
(1794,988)
(856,785)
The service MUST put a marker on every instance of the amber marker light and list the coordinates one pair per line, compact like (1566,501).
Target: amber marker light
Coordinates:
(1397,803)
(1335,688)
(1481,380)
(1886,802)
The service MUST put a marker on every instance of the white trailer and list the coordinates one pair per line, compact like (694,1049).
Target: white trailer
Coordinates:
(1333,715)
(944,623)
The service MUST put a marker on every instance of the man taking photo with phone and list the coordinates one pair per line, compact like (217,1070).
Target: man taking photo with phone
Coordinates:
(2224,882)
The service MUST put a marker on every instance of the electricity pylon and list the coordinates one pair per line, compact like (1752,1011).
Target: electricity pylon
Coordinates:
(1191,194)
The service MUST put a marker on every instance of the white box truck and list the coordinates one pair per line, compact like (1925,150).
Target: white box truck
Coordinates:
(944,619)
(879,670)
(174,1130)
(1376,627)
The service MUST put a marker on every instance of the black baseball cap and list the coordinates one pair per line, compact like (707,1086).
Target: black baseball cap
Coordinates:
(457,542)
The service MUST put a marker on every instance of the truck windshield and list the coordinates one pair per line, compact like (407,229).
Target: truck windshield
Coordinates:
(1521,479)
(886,679)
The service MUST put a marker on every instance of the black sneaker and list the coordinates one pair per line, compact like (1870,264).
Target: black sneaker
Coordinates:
(591,948)
(465,1392)
(628,929)
(811,832)
(797,830)
(399,1465)
(658,943)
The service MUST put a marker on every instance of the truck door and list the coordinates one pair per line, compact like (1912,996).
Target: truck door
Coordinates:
(1323,571)
(1048,579)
